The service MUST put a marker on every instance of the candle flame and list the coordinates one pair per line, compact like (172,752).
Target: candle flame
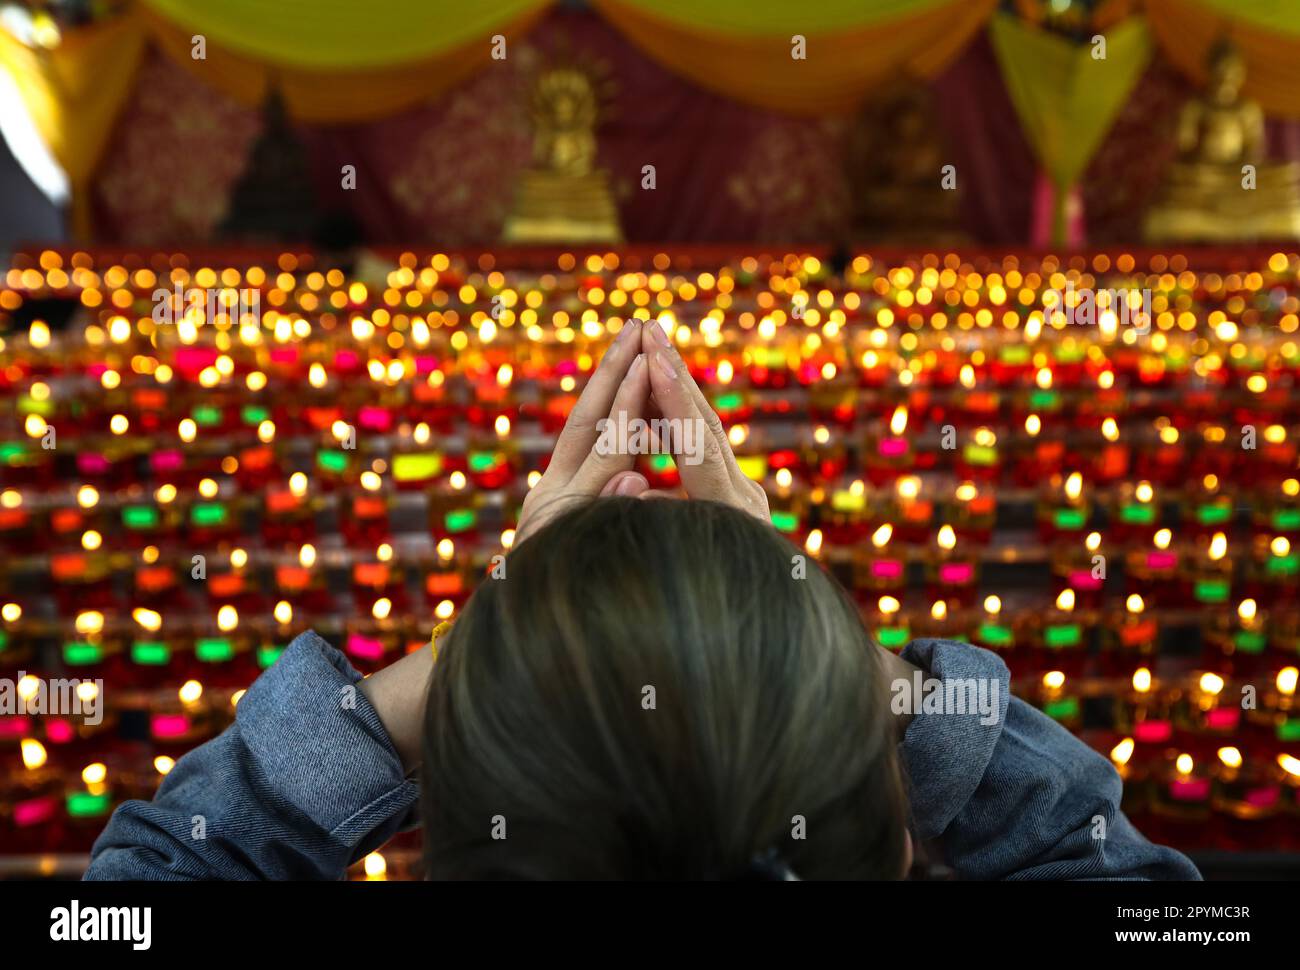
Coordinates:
(149,619)
(1134,604)
(880,538)
(1247,610)
(898,423)
(1287,678)
(1163,537)
(1074,486)
(888,605)
(376,866)
(91,621)
(1054,680)
(814,542)
(1065,601)
(1184,764)
(1218,546)
(34,755)
(227,618)
(947,538)
(1142,680)
(1211,683)
(1122,752)
(1230,756)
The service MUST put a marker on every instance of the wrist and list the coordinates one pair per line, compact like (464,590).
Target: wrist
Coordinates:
(898,675)
(398,694)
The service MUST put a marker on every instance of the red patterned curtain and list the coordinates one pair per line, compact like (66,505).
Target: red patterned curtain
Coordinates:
(443,173)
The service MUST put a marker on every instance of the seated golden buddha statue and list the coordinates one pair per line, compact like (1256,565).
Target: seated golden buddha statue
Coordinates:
(562,197)
(1221,189)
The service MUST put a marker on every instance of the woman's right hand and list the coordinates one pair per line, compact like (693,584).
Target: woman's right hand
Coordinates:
(714,473)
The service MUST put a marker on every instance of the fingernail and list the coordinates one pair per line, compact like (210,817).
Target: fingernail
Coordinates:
(636,364)
(623,334)
(628,486)
(660,337)
(665,365)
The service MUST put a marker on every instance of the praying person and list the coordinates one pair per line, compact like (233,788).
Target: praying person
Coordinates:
(653,689)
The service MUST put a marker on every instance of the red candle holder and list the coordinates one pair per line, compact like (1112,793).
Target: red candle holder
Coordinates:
(1054,694)
(1155,570)
(1237,643)
(1059,636)
(881,567)
(1063,511)
(991,629)
(1181,802)
(1131,639)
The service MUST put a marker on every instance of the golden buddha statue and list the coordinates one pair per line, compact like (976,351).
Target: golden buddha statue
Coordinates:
(563,197)
(1221,189)
(899,155)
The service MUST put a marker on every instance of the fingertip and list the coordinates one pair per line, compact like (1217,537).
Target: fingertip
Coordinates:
(632,485)
(664,366)
(634,481)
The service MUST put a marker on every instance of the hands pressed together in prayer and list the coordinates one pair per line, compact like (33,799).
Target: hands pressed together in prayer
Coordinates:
(641,376)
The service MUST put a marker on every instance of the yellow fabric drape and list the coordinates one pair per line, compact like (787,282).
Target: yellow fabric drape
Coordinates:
(1267,34)
(841,67)
(777,17)
(73,94)
(1065,98)
(1275,15)
(342,35)
(334,96)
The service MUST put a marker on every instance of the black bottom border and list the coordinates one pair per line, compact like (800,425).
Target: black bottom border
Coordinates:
(396,921)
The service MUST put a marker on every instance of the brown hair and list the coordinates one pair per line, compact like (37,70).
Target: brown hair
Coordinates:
(650,692)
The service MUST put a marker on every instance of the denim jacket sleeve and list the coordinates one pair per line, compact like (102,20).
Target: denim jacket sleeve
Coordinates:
(304,783)
(1017,796)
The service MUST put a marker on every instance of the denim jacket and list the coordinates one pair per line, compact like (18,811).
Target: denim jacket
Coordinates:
(304,783)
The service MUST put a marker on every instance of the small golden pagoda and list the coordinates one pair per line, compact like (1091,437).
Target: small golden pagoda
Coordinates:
(1211,195)
(562,197)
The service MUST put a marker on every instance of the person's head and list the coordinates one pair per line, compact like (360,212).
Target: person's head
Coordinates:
(1227,70)
(659,690)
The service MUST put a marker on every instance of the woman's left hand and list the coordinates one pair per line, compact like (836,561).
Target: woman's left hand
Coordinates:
(620,384)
